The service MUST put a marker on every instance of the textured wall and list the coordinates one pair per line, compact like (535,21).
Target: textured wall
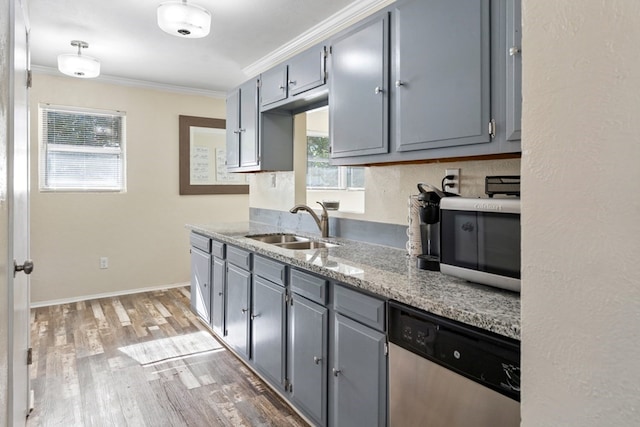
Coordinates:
(581,211)
(141,231)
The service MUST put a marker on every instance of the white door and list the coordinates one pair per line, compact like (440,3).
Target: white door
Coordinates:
(18,197)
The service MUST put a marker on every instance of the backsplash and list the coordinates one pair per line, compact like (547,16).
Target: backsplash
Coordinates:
(387,187)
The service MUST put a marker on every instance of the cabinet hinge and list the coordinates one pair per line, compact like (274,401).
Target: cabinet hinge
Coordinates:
(29,79)
(330,49)
(386,349)
(290,388)
(30,356)
(492,128)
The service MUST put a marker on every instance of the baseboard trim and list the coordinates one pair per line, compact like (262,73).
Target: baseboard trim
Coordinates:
(105,295)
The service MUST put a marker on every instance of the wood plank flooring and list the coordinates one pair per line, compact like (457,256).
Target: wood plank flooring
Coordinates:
(141,360)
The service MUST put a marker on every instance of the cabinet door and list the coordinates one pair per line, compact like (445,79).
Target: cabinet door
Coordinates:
(307,70)
(358,111)
(273,85)
(237,314)
(268,330)
(307,358)
(249,153)
(441,73)
(359,375)
(514,70)
(218,276)
(233,128)
(200,283)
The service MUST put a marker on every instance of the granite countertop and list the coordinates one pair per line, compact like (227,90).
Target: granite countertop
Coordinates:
(387,272)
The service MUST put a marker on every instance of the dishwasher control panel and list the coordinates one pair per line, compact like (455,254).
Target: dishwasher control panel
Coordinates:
(487,358)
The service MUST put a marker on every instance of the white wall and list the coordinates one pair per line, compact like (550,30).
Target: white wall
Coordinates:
(581,213)
(141,231)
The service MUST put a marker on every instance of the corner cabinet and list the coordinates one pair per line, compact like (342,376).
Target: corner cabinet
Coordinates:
(249,132)
(514,69)
(359,90)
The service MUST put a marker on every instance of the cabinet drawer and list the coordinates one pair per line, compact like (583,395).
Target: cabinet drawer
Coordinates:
(309,286)
(201,242)
(218,249)
(239,257)
(358,306)
(270,270)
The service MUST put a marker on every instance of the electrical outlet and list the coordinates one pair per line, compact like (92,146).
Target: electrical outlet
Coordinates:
(452,185)
(104,262)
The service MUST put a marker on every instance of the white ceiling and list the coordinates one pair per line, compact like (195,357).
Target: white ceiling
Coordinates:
(124,36)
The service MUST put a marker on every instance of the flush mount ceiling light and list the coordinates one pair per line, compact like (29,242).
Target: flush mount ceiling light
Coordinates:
(184,20)
(78,65)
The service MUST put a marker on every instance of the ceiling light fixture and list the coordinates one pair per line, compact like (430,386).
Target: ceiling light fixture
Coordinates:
(78,65)
(184,20)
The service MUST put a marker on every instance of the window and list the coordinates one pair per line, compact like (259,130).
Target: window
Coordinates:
(81,149)
(322,175)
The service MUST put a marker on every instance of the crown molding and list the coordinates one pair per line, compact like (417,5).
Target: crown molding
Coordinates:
(39,69)
(338,21)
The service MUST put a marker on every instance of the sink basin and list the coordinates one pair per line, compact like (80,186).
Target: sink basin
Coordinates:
(278,238)
(291,241)
(306,245)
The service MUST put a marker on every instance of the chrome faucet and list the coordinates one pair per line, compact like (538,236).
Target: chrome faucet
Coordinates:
(322,222)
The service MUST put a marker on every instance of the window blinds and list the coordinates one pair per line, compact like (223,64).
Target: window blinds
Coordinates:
(82,150)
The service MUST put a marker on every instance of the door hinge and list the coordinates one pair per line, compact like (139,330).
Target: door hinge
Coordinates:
(492,128)
(29,79)
(30,356)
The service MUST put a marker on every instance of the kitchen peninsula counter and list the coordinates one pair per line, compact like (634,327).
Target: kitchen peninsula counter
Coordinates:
(384,271)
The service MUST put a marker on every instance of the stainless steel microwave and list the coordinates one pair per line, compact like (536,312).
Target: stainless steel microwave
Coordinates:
(480,240)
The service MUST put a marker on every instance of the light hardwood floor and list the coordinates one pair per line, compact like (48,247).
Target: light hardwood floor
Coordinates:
(141,360)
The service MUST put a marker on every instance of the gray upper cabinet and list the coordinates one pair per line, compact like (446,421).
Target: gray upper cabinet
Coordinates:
(440,73)
(237,309)
(200,283)
(268,330)
(514,69)
(242,127)
(307,358)
(359,90)
(359,375)
(274,84)
(281,84)
(307,70)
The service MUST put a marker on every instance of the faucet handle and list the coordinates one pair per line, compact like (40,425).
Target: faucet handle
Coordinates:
(324,209)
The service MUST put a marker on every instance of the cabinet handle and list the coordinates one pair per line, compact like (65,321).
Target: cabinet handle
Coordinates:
(253,316)
(399,83)
(236,131)
(292,82)
(281,87)
(219,294)
(514,50)
(244,310)
(242,130)
(336,372)
(317,360)
(205,285)
(378,90)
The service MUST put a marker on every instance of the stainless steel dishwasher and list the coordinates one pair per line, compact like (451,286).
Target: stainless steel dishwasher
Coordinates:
(446,374)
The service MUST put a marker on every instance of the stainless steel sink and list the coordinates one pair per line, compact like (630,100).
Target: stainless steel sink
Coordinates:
(306,245)
(291,241)
(278,238)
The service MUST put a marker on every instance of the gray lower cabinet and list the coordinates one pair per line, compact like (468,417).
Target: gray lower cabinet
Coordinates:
(218,286)
(268,330)
(200,283)
(440,73)
(237,309)
(358,83)
(307,357)
(359,375)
